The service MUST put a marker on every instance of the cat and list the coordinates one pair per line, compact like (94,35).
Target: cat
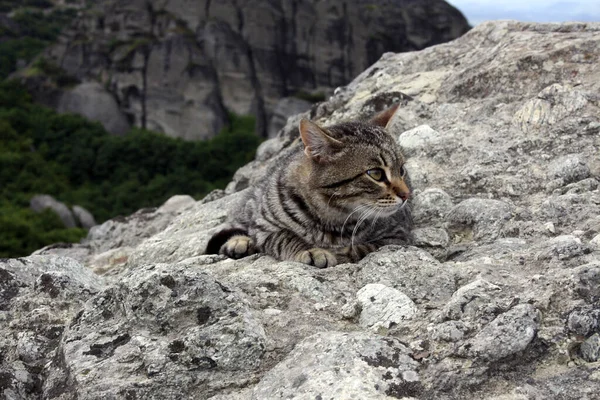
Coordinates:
(340,194)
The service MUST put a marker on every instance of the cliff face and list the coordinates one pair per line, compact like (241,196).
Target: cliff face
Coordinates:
(499,299)
(177,66)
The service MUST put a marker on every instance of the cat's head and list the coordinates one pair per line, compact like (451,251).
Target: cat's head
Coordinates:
(355,164)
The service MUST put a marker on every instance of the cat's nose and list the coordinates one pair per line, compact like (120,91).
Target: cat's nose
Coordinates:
(401,190)
(403,195)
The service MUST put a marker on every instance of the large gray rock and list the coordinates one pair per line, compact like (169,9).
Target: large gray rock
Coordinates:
(498,299)
(328,365)
(181,65)
(84,217)
(92,101)
(43,202)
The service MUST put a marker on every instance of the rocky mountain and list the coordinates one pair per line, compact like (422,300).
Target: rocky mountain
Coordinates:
(178,66)
(499,299)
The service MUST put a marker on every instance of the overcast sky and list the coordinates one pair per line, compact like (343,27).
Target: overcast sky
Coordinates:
(478,11)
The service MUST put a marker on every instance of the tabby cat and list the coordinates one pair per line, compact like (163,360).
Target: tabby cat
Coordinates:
(337,196)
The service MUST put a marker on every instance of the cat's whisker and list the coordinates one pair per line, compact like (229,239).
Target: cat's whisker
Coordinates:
(370,210)
(360,207)
(331,197)
(376,217)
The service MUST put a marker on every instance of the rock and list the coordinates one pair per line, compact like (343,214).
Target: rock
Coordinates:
(209,58)
(509,334)
(39,295)
(595,242)
(42,202)
(587,281)
(483,218)
(327,366)
(551,105)
(561,247)
(411,271)
(431,205)
(431,237)
(590,349)
(84,217)
(176,204)
(418,138)
(285,108)
(92,101)
(449,331)
(472,302)
(584,321)
(384,307)
(568,169)
(167,323)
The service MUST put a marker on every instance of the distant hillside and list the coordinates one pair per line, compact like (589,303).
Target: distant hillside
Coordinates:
(179,66)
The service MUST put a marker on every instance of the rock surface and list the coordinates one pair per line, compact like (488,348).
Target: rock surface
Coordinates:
(500,305)
(178,66)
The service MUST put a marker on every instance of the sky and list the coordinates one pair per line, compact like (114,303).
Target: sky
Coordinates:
(529,10)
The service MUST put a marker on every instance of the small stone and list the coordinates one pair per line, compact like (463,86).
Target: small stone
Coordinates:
(271,312)
(508,334)
(383,306)
(567,169)
(431,237)
(417,138)
(449,331)
(550,227)
(485,217)
(595,242)
(561,247)
(590,349)
(350,310)
(410,376)
(431,204)
(584,321)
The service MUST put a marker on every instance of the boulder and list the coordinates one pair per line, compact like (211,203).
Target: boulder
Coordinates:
(42,202)
(94,102)
(84,217)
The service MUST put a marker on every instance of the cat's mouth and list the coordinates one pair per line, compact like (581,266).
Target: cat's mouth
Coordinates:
(391,206)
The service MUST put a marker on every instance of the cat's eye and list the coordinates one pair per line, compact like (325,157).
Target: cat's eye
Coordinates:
(402,172)
(377,174)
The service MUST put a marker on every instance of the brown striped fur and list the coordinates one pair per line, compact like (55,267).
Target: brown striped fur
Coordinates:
(318,205)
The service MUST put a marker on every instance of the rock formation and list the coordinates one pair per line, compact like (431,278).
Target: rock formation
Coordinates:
(499,299)
(78,216)
(178,66)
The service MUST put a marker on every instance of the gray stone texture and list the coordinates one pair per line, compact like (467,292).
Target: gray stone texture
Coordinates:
(506,308)
(189,62)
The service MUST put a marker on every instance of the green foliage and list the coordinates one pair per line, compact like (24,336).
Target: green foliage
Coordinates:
(24,231)
(78,162)
(36,31)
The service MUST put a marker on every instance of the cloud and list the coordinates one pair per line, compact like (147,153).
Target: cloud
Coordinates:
(529,10)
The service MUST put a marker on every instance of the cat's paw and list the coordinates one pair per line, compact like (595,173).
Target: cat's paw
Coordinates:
(320,258)
(238,246)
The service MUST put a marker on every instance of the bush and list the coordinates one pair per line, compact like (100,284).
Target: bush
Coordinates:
(78,162)
(36,31)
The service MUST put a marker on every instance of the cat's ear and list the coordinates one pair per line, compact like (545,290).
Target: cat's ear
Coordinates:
(383,118)
(318,145)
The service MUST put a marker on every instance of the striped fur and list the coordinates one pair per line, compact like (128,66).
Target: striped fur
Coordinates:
(318,204)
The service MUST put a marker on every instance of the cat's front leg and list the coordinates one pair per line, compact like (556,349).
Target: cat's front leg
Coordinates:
(285,245)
